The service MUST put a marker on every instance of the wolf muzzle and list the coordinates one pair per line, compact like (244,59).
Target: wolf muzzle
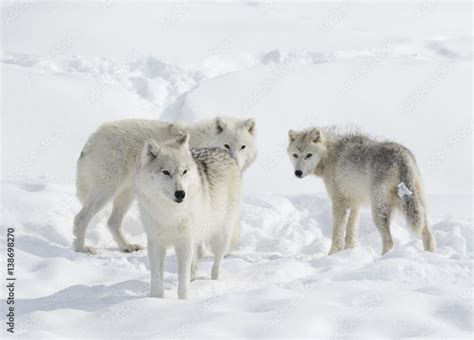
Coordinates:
(179,196)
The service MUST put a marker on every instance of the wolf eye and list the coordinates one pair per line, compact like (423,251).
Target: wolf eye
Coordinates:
(243,147)
(309,155)
(227,146)
(166,172)
(295,155)
(184,172)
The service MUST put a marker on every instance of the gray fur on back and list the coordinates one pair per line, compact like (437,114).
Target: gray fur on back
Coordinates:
(358,169)
(367,153)
(212,164)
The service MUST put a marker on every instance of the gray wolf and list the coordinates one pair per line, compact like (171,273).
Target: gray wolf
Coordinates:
(186,199)
(111,156)
(358,170)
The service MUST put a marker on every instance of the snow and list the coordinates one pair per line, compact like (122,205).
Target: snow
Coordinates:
(66,68)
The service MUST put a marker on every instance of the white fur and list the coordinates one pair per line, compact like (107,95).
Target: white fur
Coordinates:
(111,156)
(209,211)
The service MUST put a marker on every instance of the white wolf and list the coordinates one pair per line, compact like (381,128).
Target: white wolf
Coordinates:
(356,170)
(111,156)
(185,200)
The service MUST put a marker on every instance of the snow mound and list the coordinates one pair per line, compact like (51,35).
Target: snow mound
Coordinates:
(339,63)
(278,279)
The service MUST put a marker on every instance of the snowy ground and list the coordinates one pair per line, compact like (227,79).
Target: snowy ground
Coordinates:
(397,70)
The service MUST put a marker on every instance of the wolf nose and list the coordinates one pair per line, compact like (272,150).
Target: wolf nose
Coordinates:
(298,173)
(179,194)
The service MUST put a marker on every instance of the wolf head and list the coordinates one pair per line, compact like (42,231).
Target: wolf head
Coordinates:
(305,149)
(238,137)
(167,169)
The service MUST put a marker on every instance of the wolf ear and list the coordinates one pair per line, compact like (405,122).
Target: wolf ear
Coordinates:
(183,141)
(150,151)
(315,135)
(249,124)
(220,124)
(292,135)
(178,127)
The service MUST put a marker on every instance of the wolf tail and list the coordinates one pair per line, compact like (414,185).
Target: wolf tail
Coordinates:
(410,192)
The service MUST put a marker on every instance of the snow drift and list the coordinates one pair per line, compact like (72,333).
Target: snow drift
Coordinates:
(66,68)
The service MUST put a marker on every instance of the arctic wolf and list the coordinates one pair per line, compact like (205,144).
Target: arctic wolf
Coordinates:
(111,156)
(186,199)
(356,170)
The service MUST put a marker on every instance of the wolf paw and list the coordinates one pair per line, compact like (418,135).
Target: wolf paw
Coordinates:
(129,248)
(86,249)
(182,293)
(349,246)
(157,293)
(195,278)
(334,250)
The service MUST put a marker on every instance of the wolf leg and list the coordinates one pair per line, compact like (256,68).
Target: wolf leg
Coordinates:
(202,252)
(219,252)
(92,205)
(429,242)
(220,245)
(156,257)
(381,213)
(121,204)
(352,229)
(195,262)
(184,256)
(338,219)
(235,240)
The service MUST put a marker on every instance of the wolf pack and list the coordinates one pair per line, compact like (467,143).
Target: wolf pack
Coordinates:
(187,182)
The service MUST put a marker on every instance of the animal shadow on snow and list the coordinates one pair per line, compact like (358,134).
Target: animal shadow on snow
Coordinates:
(85,298)
(43,248)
